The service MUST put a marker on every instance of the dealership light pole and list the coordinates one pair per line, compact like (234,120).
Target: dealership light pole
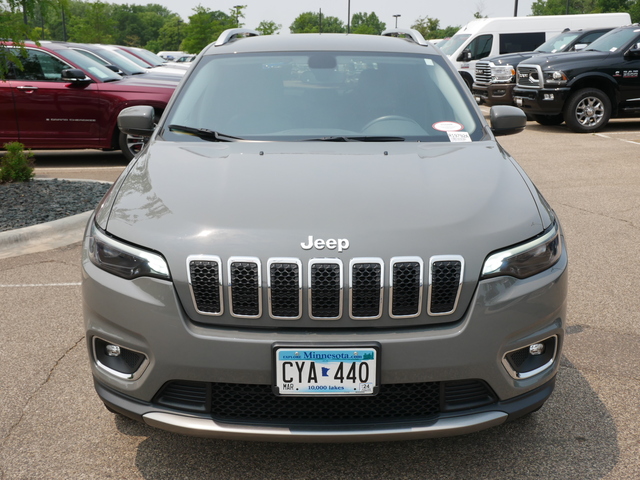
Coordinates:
(348,16)
(396,17)
(237,9)
(515,9)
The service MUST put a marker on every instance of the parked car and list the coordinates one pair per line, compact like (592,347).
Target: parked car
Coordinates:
(111,57)
(62,99)
(584,89)
(496,76)
(488,37)
(323,241)
(185,59)
(152,59)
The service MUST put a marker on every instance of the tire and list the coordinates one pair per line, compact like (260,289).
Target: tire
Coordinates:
(587,110)
(130,145)
(549,119)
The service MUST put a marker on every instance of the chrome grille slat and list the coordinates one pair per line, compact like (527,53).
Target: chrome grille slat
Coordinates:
(205,283)
(445,280)
(406,285)
(285,288)
(366,283)
(245,281)
(325,289)
(483,73)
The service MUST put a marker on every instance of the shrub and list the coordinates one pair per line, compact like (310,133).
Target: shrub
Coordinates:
(16,165)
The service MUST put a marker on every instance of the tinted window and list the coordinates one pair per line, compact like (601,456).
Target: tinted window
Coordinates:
(520,42)
(615,40)
(480,47)
(300,96)
(39,66)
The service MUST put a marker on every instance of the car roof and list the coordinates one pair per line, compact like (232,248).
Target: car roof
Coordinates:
(320,42)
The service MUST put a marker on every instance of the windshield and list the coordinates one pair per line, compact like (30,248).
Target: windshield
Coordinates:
(121,61)
(132,58)
(88,64)
(150,57)
(323,96)
(615,40)
(450,47)
(557,43)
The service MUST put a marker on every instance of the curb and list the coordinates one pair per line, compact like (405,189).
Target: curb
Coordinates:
(45,236)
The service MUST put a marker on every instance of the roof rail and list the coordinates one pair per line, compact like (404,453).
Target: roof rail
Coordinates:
(230,34)
(414,35)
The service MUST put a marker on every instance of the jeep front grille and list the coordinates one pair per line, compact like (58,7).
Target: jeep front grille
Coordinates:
(325,279)
(483,73)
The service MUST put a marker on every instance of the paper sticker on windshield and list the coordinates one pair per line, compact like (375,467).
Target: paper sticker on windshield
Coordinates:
(459,136)
(447,126)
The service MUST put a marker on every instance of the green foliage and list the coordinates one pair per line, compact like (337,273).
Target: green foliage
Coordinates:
(430,28)
(204,27)
(95,26)
(268,28)
(16,165)
(309,22)
(559,7)
(367,24)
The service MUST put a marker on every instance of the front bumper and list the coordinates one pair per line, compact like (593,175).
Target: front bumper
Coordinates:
(494,94)
(145,316)
(545,101)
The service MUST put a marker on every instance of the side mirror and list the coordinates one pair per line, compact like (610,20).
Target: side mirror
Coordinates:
(465,56)
(75,75)
(507,120)
(137,121)
(115,69)
(634,51)
(580,46)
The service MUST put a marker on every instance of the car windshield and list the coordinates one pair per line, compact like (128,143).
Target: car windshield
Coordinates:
(557,43)
(89,65)
(121,61)
(150,57)
(453,43)
(132,58)
(323,96)
(614,40)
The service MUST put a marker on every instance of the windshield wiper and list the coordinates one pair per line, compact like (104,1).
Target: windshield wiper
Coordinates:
(363,138)
(203,133)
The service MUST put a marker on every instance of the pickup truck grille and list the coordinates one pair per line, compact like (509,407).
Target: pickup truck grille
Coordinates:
(325,282)
(483,73)
(528,77)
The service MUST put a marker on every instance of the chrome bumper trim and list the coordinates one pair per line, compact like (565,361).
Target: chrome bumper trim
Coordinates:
(202,427)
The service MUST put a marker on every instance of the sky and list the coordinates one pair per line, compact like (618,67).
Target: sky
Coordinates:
(284,12)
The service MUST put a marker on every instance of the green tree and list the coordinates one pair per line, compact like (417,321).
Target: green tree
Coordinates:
(170,35)
(236,13)
(559,7)
(96,26)
(367,24)
(204,27)
(309,22)
(268,27)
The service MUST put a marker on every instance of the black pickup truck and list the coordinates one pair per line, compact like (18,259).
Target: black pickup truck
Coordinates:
(584,89)
(496,76)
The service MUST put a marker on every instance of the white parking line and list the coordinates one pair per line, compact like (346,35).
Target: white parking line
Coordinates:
(75,284)
(619,139)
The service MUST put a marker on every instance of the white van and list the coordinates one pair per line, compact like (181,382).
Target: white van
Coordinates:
(486,37)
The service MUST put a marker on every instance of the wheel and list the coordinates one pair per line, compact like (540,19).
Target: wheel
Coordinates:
(549,119)
(587,110)
(130,145)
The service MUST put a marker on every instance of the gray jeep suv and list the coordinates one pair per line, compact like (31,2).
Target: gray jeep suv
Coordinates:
(323,241)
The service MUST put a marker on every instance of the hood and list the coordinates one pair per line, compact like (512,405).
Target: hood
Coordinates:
(568,60)
(512,58)
(266,199)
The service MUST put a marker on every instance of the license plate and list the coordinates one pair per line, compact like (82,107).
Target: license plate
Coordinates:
(518,101)
(343,370)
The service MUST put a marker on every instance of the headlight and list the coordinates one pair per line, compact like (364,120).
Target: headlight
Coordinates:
(503,74)
(527,259)
(554,77)
(124,260)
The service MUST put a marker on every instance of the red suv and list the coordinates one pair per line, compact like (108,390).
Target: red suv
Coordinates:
(62,99)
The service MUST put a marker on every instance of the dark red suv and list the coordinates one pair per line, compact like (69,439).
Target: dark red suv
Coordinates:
(62,99)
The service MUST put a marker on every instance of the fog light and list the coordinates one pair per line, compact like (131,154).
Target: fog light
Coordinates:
(113,350)
(536,349)
(548,96)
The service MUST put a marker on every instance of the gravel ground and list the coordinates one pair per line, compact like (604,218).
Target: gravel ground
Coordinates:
(24,204)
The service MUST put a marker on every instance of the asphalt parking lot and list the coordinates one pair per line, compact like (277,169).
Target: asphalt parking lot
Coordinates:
(53,426)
